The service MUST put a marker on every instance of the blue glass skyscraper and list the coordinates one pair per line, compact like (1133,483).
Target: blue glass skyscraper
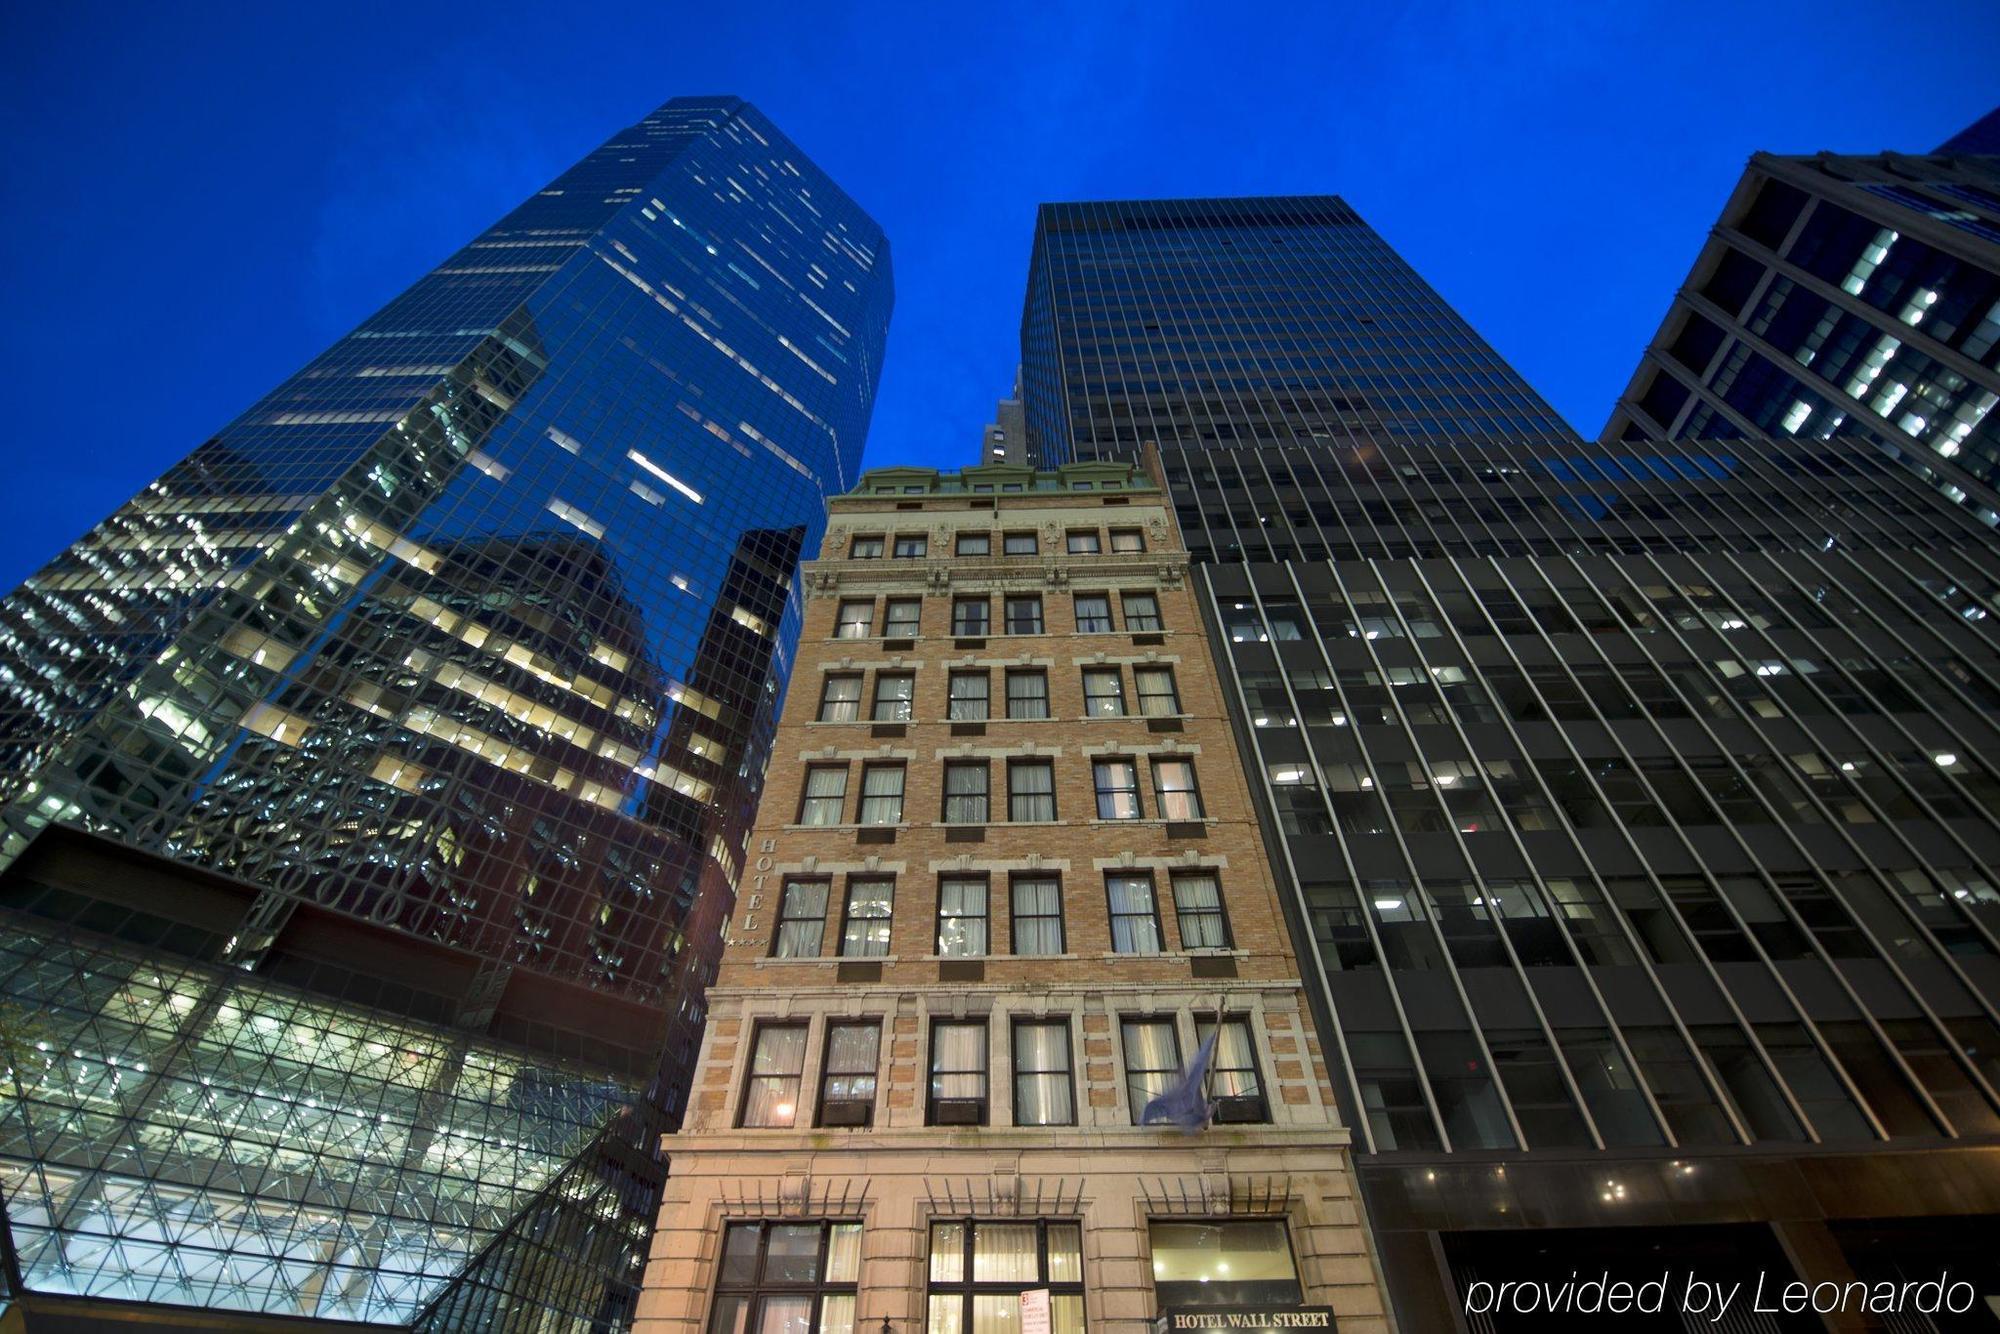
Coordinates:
(1204,321)
(436,690)
(1639,799)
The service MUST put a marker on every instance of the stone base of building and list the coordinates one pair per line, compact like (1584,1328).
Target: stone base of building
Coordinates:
(1116,1184)
(1445,1226)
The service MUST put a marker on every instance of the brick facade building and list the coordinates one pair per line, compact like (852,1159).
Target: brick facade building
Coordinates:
(1005,882)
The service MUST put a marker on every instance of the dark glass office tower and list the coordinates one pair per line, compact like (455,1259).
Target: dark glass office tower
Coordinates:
(1842,295)
(1639,799)
(1220,320)
(376,780)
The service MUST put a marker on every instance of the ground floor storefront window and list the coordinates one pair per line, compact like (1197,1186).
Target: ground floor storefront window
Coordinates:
(787,1278)
(979,1269)
(1223,1262)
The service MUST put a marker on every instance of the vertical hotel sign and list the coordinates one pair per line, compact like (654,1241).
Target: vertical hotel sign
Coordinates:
(1243,1319)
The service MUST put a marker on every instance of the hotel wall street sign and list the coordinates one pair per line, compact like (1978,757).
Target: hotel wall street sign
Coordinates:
(1244,1319)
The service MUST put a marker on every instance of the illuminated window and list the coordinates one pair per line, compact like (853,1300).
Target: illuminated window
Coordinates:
(881,794)
(1152,1060)
(1117,783)
(1174,787)
(958,1075)
(1142,612)
(1135,914)
(825,796)
(1233,1082)
(864,929)
(1198,906)
(961,925)
(794,1277)
(777,1063)
(847,1081)
(1157,696)
(840,698)
(1043,1091)
(1027,693)
(801,920)
(856,620)
(965,792)
(894,693)
(1031,791)
(1038,920)
(979,1269)
(1103,692)
(969,696)
(901,618)
(1223,1262)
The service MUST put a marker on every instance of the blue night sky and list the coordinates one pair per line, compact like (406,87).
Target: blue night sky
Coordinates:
(197,201)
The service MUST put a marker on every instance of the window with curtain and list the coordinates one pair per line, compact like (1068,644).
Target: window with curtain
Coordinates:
(1021,544)
(840,698)
(801,920)
(777,1062)
(855,620)
(1028,694)
(972,616)
(1031,790)
(911,546)
(847,1083)
(1024,615)
(1103,693)
(881,794)
(961,932)
(1093,614)
(958,1074)
(1127,539)
(1135,917)
(1198,906)
(1043,1093)
(1157,696)
(787,1278)
(1152,1060)
(965,791)
(894,693)
(864,933)
(974,544)
(902,617)
(1083,542)
(1142,612)
(1223,1262)
(1174,785)
(1038,922)
(1117,784)
(866,548)
(969,696)
(979,1269)
(1232,1071)
(825,799)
